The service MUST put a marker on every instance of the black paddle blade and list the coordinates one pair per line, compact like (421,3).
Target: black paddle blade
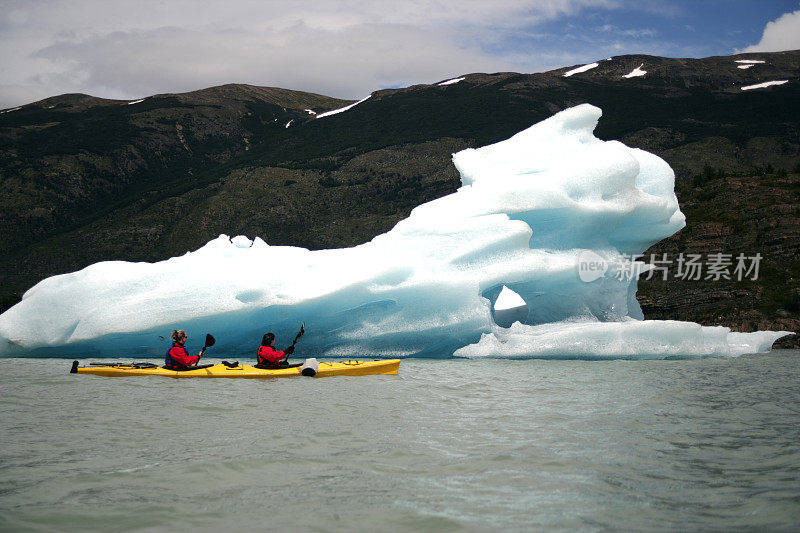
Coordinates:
(300,333)
(210,340)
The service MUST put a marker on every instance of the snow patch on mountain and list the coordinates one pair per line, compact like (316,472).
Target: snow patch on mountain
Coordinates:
(765,84)
(635,73)
(343,109)
(578,70)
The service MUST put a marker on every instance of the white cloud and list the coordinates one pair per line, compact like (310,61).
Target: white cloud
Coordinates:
(779,35)
(20,94)
(344,48)
(348,62)
(635,33)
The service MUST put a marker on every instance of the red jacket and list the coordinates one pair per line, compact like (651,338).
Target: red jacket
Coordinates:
(180,356)
(268,354)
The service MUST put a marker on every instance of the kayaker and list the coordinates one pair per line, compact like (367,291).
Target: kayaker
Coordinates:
(177,357)
(268,357)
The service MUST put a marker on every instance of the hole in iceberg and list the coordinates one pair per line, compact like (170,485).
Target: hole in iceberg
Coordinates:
(507,306)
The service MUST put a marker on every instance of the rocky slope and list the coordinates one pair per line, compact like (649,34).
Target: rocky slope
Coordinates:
(84,179)
(745,215)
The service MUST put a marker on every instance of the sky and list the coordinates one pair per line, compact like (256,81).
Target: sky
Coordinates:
(349,48)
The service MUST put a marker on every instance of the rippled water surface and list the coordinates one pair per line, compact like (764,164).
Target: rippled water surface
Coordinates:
(447,445)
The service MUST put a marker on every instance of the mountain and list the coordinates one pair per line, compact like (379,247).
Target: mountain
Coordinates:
(83,179)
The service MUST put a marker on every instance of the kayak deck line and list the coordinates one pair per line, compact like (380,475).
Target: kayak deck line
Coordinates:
(220,370)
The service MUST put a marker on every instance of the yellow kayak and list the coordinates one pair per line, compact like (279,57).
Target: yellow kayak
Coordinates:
(235,370)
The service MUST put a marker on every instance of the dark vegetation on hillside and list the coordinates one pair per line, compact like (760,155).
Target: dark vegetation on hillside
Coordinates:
(742,214)
(84,179)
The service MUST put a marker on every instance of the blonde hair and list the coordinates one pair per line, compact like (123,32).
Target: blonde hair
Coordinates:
(177,334)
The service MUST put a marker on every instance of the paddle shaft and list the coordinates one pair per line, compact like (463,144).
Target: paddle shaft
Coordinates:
(299,334)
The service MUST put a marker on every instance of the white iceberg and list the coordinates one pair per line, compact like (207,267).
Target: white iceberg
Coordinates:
(530,209)
(626,339)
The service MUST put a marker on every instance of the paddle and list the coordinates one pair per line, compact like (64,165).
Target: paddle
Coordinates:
(299,334)
(210,340)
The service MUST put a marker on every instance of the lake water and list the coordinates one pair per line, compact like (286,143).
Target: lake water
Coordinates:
(447,445)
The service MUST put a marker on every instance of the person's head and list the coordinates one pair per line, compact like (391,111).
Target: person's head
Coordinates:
(179,336)
(268,339)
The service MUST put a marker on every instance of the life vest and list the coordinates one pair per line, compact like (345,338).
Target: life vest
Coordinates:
(267,355)
(169,362)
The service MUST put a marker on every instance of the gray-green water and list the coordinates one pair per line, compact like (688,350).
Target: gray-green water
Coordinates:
(447,445)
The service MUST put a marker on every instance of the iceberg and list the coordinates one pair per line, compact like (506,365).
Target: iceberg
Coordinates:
(534,216)
(626,339)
